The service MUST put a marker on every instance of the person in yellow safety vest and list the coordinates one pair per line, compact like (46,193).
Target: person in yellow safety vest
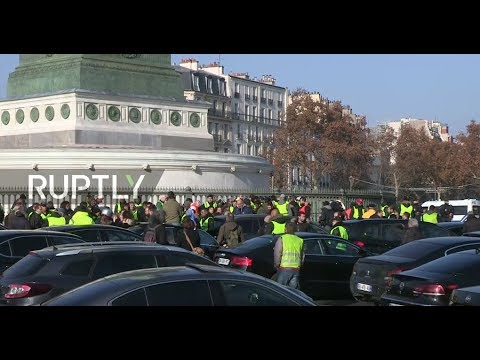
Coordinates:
(357,209)
(207,222)
(277,223)
(81,216)
(120,206)
(406,206)
(339,230)
(385,211)
(210,203)
(431,215)
(288,257)
(133,210)
(282,205)
(56,219)
(233,205)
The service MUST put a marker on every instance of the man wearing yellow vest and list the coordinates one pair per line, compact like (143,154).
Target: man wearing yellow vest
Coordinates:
(288,257)
(431,215)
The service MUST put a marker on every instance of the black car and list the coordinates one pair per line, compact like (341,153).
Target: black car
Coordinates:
(15,244)
(433,282)
(2,227)
(47,273)
(207,241)
(371,275)
(324,274)
(252,223)
(472,233)
(468,296)
(454,226)
(191,285)
(380,235)
(98,232)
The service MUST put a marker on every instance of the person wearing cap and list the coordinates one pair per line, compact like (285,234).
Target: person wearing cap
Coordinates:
(357,209)
(106,217)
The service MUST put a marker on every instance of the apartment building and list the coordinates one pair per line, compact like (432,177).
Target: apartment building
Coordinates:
(243,118)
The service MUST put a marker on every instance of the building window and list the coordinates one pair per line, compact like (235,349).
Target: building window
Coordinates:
(239,129)
(279,115)
(239,148)
(254,112)
(214,105)
(249,150)
(249,131)
(209,127)
(196,82)
(225,131)
(263,93)
(247,112)
(270,114)
(224,107)
(247,90)
(216,128)
(257,137)
(225,150)
(256,150)
(237,87)
(254,93)
(235,109)
(209,85)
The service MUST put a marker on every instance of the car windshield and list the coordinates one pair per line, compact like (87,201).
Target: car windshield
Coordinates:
(414,250)
(466,262)
(28,265)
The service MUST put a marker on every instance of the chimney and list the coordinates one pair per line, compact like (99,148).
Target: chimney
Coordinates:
(267,79)
(189,63)
(213,68)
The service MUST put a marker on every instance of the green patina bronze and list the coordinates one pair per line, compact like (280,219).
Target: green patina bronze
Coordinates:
(65,111)
(176,118)
(155,117)
(135,115)
(123,74)
(34,114)
(195,120)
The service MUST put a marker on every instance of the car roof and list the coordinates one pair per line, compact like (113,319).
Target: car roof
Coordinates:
(98,247)
(448,224)
(12,233)
(91,226)
(242,216)
(376,219)
(447,240)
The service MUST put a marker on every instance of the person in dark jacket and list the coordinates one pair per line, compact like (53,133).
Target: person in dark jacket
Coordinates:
(326,215)
(38,218)
(188,228)
(471,224)
(155,222)
(226,230)
(413,232)
(16,219)
(302,224)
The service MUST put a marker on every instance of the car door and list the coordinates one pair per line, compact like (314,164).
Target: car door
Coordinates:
(317,270)
(341,255)
(6,259)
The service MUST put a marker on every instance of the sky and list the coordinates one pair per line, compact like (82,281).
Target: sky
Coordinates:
(384,87)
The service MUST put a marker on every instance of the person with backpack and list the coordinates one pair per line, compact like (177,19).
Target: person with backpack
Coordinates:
(155,232)
(230,234)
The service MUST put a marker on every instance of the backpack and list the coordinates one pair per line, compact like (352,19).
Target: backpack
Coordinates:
(151,234)
(233,238)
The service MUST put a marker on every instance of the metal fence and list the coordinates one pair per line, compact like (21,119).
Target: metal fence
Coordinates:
(314,197)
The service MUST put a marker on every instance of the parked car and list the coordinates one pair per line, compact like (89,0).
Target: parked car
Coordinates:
(433,282)
(2,227)
(252,223)
(207,241)
(467,296)
(372,275)
(46,273)
(15,244)
(472,233)
(454,226)
(324,274)
(191,285)
(380,235)
(98,232)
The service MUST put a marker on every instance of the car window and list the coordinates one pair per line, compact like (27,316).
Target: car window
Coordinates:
(243,293)
(312,247)
(393,232)
(467,263)
(133,298)
(456,249)
(117,263)
(90,235)
(248,225)
(5,249)
(175,258)
(414,250)
(116,235)
(60,240)
(206,238)
(429,230)
(29,265)
(339,247)
(78,268)
(179,293)
(170,232)
(22,245)
(364,230)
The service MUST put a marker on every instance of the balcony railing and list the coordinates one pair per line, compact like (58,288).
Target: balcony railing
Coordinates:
(236,95)
(227,115)
(247,96)
(263,100)
(254,97)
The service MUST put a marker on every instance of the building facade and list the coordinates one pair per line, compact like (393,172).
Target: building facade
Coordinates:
(434,129)
(244,116)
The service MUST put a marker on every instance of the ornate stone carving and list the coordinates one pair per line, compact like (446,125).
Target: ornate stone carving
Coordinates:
(34,114)
(49,113)
(195,120)
(5,117)
(135,115)
(155,117)
(20,116)
(91,111)
(176,118)
(65,111)
(114,113)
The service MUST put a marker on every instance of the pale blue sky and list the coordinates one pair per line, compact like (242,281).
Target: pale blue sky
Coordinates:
(381,87)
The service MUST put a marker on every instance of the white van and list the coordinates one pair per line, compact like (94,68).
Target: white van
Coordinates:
(460,207)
